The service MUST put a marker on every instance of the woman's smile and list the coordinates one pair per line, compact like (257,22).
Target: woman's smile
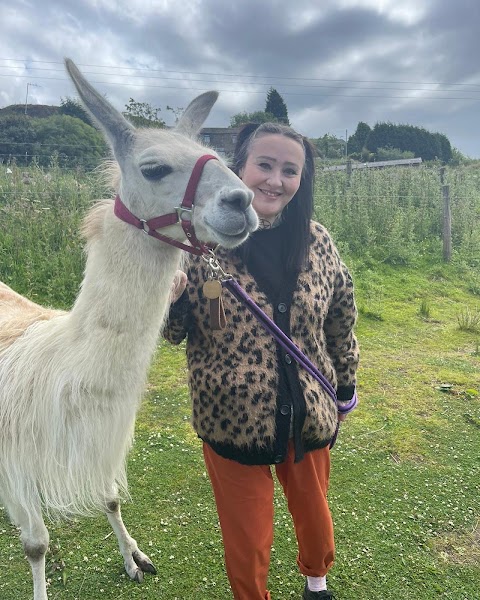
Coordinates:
(273,171)
(270,193)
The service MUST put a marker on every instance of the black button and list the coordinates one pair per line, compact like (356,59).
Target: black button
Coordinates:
(278,459)
(285,409)
(288,359)
(282,307)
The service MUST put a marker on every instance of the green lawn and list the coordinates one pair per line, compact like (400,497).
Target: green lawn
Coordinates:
(405,483)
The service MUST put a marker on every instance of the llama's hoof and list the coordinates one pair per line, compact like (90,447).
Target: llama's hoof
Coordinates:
(134,572)
(138,576)
(145,564)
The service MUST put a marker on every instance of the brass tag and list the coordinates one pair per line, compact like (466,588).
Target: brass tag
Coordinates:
(212,289)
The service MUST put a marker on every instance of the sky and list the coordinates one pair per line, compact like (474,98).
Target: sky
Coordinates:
(334,62)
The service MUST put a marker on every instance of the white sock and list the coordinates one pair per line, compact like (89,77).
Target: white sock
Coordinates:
(317,584)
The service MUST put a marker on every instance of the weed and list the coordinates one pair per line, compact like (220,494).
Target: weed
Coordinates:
(424,310)
(474,288)
(472,420)
(373,315)
(55,564)
(459,548)
(469,320)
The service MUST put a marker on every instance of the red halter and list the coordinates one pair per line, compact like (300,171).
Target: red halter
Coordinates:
(182,214)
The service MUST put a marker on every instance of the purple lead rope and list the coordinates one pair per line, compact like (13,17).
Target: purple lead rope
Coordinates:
(289,346)
(281,338)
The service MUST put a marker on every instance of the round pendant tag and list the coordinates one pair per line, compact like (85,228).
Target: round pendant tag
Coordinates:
(212,289)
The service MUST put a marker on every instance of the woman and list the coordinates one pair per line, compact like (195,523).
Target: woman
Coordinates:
(253,406)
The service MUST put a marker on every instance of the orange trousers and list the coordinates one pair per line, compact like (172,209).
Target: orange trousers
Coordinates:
(244,498)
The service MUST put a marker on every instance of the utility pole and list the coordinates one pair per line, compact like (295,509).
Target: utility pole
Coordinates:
(447,224)
(26,97)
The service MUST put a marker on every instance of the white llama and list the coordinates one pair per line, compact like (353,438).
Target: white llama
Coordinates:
(70,382)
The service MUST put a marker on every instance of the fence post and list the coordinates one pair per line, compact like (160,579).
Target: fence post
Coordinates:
(442,175)
(349,171)
(447,224)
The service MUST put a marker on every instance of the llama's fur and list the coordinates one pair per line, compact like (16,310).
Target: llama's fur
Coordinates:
(56,371)
(17,314)
(71,382)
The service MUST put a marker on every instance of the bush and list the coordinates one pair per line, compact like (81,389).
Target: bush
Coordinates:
(72,140)
(40,247)
(393,154)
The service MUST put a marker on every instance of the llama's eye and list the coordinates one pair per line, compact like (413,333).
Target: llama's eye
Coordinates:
(155,172)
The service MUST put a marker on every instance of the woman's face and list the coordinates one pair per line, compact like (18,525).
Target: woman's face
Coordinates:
(273,170)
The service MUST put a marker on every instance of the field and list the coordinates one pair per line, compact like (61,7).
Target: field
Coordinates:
(405,483)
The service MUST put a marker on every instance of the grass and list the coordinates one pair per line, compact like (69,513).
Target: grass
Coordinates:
(424,310)
(469,320)
(404,488)
(405,472)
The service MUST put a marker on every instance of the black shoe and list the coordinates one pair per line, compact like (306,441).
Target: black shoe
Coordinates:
(323,595)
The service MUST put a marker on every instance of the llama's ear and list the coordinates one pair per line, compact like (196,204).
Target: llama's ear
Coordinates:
(116,128)
(195,114)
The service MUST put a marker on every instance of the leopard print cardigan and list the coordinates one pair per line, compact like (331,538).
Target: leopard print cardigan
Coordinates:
(234,373)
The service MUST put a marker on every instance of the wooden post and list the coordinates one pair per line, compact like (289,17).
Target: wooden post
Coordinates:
(447,224)
(442,175)
(349,172)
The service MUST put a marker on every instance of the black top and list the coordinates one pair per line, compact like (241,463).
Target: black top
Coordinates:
(266,259)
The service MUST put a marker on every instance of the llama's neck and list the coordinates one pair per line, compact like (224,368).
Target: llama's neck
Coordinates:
(73,382)
(124,297)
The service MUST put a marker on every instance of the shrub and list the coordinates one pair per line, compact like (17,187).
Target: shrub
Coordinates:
(469,320)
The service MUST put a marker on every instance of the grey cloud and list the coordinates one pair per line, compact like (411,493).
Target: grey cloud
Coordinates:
(273,40)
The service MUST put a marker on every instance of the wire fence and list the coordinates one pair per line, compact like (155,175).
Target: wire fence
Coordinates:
(394,213)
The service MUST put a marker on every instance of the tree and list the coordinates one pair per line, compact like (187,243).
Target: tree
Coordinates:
(276,106)
(75,142)
(142,114)
(73,108)
(428,146)
(177,112)
(329,146)
(458,158)
(258,116)
(17,137)
(34,110)
(356,142)
(446,153)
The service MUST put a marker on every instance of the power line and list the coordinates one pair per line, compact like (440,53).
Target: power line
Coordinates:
(343,87)
(277,77)
(149,86)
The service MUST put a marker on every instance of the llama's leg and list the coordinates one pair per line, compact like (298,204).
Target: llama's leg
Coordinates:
(136,562)
(35,538)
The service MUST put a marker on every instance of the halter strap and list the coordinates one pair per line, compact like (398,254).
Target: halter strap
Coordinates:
(183,215)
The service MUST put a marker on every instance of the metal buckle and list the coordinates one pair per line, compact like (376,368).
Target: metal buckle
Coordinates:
(145,228)
(184,213)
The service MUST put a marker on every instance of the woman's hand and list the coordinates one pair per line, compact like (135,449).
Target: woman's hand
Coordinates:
(341,417)
(178,286)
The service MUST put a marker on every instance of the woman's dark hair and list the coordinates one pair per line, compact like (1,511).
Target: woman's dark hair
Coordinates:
(298,212)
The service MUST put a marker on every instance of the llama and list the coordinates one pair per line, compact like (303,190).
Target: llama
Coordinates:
(67,378)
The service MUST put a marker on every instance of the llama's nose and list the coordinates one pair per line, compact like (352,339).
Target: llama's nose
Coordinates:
(240,199)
